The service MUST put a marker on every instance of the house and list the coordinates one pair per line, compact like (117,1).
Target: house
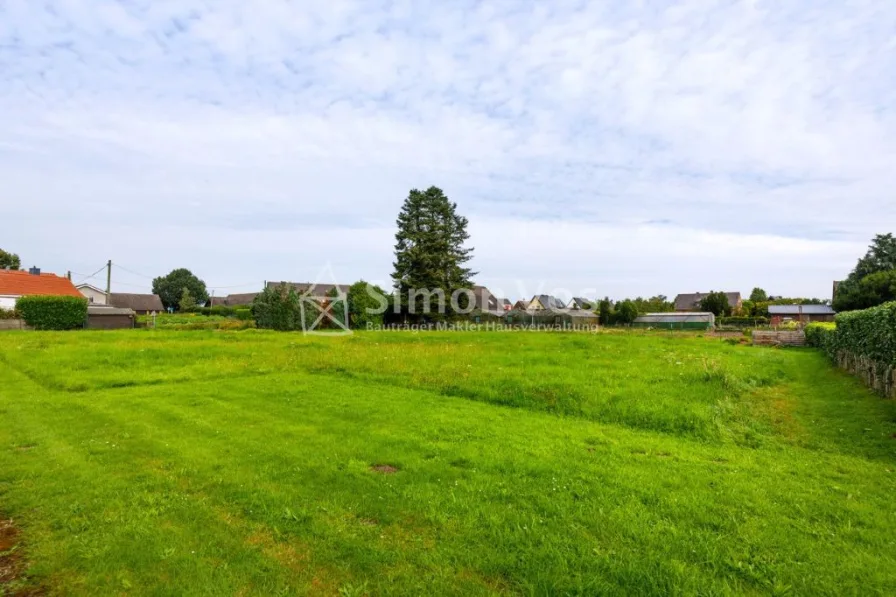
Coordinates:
(691,302)
(487,302)
(313,288)
(676,321)
(242,299)
(581,303)
(16,283)
(506,305)
(545,301)
(802,313)
(102,317)
(142,304)
(94,295)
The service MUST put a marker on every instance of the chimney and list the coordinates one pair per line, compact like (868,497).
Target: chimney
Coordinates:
(34,271)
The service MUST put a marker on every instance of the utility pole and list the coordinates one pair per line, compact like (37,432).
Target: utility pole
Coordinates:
(109,282)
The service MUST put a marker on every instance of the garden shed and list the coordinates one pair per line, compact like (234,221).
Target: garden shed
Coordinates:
(109,318)
(676,321)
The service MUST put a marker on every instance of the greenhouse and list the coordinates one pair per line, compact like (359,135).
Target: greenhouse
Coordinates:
(676,321)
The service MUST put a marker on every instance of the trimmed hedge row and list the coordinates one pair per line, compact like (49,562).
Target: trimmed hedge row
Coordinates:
(742,321)
(53,312)
(869,333)
(243,313)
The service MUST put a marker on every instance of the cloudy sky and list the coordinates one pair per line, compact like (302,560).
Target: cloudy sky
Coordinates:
(606,148)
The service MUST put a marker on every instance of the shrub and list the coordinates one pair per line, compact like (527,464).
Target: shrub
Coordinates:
(868,333)
(279,309)
(53,312)
(742,321)
(366,304)
(10,314)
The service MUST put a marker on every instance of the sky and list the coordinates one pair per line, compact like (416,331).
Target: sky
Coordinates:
(597,148)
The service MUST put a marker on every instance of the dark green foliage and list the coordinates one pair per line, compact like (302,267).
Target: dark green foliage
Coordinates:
(429,249)
(742,321)
(626,312)
(53,312)
(605,311)
(716,303)
(867,333)
(9,260)
(758,295)
(241,312)
(10,314)
(279,308)
(367,304)
(170,288)
(870,291)
(187,302)
(873,280)
(654,304)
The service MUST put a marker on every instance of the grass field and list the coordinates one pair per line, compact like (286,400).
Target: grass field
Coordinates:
(258,463)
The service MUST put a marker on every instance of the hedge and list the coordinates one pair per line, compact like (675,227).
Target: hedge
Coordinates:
(869,333)
(742,321)
(9,314)
(243,313)
(53,312)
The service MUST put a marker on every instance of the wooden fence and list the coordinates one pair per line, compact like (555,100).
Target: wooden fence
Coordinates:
(778,338)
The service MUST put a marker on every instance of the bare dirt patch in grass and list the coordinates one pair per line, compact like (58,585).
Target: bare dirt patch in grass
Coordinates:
(385,469)
(12,564)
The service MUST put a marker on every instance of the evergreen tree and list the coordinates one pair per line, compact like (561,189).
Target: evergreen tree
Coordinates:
(605,311)
(430,251)
(186,302)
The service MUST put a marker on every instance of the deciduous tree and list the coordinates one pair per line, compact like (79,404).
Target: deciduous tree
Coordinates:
(9,260)
(716,303)
(170,288)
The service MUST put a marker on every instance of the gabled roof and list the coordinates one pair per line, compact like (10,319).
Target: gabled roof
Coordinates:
(316,289)
(578,302)
(689,302)
(91,287)
(137,302)
(234,300)
(795,310)
(549,302)
(485,300)
(22,283)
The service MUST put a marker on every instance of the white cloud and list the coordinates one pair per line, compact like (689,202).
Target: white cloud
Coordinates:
(637,148)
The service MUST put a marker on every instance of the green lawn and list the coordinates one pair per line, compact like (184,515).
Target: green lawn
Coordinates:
(258,463)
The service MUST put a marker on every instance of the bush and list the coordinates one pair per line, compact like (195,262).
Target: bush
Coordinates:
(242,312)
(742,321)
(821,335)
(869,333)
(53,312)
(366,304)
(279,309)
(10,314)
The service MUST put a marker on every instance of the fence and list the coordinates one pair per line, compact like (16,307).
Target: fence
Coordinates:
(778,338)
(13,324)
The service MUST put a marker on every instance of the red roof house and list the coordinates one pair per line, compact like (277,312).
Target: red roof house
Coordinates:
(14,284)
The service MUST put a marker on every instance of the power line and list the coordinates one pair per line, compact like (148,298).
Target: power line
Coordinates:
(90,276)
(237,285)
(130,271)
